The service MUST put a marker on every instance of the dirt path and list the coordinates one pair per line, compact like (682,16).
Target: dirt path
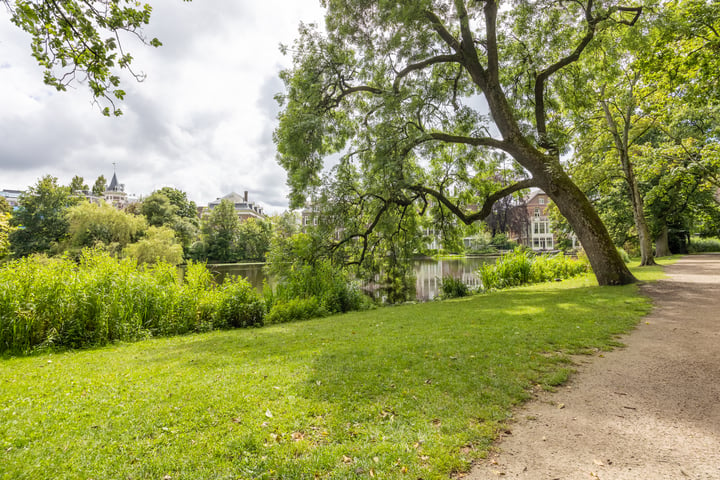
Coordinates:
(648,411)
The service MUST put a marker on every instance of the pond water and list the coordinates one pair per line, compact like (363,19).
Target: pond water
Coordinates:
(428,272)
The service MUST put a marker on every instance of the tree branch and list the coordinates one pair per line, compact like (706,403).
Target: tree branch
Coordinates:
(486,209)
(544,75)
(455,58)
(474,141)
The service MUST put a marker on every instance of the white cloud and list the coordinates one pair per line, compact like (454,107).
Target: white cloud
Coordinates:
(202,121)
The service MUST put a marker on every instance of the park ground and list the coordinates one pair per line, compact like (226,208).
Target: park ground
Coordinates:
(647,411)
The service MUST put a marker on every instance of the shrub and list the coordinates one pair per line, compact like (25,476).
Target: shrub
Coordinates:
(624,255)
(330,286)
(521,267)
(295,309)
(239,305)
(453,288)
(698,245)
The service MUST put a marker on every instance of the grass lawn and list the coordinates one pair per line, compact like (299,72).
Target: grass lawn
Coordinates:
(415,391)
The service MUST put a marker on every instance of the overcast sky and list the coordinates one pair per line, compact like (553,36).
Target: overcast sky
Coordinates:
(202,121)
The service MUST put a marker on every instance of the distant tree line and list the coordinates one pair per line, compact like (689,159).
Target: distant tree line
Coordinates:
(53,219)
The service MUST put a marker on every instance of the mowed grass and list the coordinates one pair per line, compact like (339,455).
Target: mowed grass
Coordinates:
(415,391)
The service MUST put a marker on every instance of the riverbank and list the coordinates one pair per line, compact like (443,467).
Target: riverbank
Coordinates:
(401,392)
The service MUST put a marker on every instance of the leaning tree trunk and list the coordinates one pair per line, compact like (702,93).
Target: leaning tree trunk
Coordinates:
(662,244)
(605,260)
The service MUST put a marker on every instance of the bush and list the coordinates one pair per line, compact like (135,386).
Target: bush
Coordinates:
(522,267)
(239,305)
(295,309)
(331,287)
(699,245)
(624,255)
(453,288)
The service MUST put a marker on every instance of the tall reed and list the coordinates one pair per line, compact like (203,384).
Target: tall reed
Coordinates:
(56,302)
(522,267)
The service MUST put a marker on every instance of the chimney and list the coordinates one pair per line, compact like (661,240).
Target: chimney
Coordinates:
(246,192)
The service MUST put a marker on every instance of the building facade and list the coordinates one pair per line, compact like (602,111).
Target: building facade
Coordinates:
(244,208)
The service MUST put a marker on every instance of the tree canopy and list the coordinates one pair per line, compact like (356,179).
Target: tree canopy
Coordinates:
(426,101)
(41,220)
(82,40)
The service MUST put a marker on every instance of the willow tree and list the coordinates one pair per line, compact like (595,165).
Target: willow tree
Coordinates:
(81,40)
(414,95)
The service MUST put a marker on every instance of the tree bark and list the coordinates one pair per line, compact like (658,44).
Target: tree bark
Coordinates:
(646,250)
(605,260)
(662,245)
(622,143)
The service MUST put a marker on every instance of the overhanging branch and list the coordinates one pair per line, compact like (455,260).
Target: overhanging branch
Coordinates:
(468,218)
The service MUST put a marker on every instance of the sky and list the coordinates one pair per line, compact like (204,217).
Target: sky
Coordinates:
(201,121)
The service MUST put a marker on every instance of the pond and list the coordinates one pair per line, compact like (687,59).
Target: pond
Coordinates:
(429,273)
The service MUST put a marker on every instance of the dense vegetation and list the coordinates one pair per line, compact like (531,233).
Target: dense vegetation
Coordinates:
(58,302)
(409,392)
(521,267)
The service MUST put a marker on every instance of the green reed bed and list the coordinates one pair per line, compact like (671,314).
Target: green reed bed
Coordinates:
(522,267)
(408,392)
(57,302)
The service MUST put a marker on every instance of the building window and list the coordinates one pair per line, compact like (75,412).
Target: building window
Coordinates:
(541,201)
(537,212)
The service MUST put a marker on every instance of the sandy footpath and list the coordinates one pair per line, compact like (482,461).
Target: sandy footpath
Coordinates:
(647,411)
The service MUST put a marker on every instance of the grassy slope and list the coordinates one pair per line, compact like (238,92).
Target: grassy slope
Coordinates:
(407,392)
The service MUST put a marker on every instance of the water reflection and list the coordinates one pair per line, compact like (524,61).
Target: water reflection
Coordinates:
(428,272)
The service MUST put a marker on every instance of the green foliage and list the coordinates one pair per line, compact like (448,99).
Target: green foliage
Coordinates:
(331,286)
(624,255)
(158,210)
(522,267)
(93,225)
(698,245)
(5,230)
(41,220)
(502,242)
(295,309)
(54,302)
(81,39)
(170,207)
(184,207)
(452,287)
(4,205)
(393,90)
(219,234)
(416,391)
(78,184)
(99,186)
(253,239)
(159,245)
(240,306)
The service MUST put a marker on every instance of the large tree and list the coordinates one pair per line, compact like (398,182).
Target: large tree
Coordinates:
(414,94)
(82,40)
(103,226)
(41,217)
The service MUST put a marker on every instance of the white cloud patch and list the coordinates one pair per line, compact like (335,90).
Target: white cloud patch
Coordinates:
(202,121)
